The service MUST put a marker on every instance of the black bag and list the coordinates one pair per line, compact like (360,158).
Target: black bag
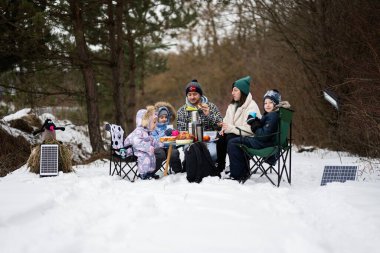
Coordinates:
(198,163)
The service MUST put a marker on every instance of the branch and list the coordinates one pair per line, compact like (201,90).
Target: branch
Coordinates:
(28,91)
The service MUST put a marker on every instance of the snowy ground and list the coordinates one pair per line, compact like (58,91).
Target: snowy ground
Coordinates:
(89,211)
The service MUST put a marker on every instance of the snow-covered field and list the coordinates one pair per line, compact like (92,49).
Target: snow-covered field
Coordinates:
(90,211)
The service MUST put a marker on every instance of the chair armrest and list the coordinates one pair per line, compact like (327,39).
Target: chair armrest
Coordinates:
(125,147)
(241,136)
(242,130)
(131,147)
(118,149)
(128,146)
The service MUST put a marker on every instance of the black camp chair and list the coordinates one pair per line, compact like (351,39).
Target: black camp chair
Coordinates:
(282,149)
(123,162)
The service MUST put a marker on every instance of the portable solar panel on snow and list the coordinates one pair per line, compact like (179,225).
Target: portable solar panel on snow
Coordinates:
(338,174)
(49,160)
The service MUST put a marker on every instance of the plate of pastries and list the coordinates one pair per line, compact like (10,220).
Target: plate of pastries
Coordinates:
(184,138)
(168,139)
(180,139)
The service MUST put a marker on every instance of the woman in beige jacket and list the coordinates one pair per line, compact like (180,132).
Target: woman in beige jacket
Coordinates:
(237,112)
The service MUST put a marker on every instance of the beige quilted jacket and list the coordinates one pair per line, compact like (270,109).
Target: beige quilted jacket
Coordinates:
(237,117)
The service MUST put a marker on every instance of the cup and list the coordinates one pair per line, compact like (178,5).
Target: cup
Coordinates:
(190,128)
(199,131)
(122,153)
(194,116)
(253,114)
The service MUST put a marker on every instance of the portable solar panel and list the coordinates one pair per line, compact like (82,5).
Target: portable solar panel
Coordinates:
(338,174)
(49,160)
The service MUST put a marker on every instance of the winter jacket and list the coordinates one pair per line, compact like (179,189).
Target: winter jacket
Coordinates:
(160,129)
(143,142)
(209,122)
(265,134)
(237,116)
(172,111)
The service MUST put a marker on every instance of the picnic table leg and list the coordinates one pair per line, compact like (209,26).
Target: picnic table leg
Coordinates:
(168,160)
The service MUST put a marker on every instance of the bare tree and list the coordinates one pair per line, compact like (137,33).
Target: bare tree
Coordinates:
(335,41)
(117,58)
(85,64)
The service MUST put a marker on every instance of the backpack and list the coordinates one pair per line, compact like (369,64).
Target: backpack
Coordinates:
(198,163)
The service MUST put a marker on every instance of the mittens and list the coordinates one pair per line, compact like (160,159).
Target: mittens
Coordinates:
(171,132)
(250,119)
(168,132)
(256,124)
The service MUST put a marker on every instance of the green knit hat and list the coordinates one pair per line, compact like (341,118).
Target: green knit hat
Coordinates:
(243,84)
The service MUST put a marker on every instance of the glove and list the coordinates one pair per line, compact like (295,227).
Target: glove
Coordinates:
(169,132)
(175,132)
(256,124)
(251,119)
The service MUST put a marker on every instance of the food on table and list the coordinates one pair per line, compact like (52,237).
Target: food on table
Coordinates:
(185,136)
(168,139)
(206,138)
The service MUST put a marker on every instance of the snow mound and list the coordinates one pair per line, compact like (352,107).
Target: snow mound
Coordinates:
(76,137)
(17,115)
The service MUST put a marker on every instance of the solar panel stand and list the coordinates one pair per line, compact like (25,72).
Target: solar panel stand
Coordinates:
(49,160)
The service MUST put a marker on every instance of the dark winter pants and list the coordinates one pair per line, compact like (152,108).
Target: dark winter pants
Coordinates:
(175,162)
(238,160)
(221,148)
(238,163)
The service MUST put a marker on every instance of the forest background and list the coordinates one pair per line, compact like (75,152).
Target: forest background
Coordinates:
(102,60)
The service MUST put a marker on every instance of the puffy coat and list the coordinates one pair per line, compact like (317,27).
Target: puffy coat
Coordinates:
(264,135)
(236,117)
(160,130)
(161,127)
(143,142)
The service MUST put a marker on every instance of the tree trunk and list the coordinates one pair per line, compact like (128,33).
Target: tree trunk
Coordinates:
(117,60)
(131,97)
(211,13)
(85,65)
(142,68)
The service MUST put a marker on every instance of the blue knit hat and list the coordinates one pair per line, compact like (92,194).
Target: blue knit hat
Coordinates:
(273,95)
(163,111)
(243,84)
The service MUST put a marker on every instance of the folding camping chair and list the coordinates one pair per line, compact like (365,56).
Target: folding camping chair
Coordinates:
(282,149)
(123,161)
